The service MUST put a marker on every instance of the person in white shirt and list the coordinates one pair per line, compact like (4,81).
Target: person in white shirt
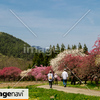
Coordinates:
(50,78)
(64,76)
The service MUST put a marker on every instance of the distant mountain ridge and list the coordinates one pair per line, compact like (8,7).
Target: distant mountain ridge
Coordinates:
(39,48)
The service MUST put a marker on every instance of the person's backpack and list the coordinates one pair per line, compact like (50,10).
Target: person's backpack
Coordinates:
(50,77)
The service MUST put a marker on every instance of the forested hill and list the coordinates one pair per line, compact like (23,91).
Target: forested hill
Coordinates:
(12,46)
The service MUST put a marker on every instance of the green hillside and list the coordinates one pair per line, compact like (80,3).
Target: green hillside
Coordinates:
(12,46)
(6,61)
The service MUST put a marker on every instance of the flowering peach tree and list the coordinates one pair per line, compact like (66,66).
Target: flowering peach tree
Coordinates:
(40,73)
(11,73)
(84,67)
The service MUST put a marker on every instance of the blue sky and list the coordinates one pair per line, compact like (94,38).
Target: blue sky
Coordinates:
(50,20)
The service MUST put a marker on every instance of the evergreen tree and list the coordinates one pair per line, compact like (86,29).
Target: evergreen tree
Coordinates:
(57,49)
(62,47)
(40,60)
(29,66)
(47,52)
(52,54)
(35,59)
(50,50)
(68,47)
(85,49)
(79,46)
(53,48)
(46,60)
(74,47)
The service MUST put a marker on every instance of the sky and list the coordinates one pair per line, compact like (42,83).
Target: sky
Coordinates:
(48,22)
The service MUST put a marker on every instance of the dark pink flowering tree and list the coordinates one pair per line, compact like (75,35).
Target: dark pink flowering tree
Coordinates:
(11,73)
(72,62)
(38,73)
(96,47)
(88,68)
(96,52)
(82,66)
(0,72)
(47,69)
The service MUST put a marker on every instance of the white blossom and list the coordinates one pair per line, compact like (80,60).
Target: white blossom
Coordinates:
(56,61)
(25,73)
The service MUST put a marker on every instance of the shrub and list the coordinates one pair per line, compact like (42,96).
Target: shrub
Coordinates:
(40,73)
(11,73)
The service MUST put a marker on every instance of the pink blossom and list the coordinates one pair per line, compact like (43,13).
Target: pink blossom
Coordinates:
(11,72)
(40,73)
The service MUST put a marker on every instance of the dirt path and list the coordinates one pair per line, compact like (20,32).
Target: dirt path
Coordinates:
(23,84)
(72,90)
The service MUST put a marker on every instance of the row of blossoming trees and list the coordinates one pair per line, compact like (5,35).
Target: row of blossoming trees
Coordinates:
(10,73)
(14,73)
(84,67)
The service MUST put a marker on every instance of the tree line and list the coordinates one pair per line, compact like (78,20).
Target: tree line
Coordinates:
(12,46)
(43,58)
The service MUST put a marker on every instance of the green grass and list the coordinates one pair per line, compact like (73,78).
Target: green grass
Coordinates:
(89,85)
(50,94)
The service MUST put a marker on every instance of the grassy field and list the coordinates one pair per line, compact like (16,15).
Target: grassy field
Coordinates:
(50,94)
(45,94)
(26,83)
(92,86)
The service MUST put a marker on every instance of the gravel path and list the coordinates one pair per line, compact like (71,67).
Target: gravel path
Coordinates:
(72,90)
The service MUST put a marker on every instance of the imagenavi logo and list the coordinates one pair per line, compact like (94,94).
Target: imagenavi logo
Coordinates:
(14,94)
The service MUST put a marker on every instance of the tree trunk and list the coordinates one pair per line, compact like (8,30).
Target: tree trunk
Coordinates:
(96,81)
(91,81)
(85,81)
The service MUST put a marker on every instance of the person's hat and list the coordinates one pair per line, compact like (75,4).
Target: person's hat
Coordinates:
(65,69)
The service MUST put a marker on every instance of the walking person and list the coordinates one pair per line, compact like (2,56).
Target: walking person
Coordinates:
(56,79)
(50,78)
(64,76)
